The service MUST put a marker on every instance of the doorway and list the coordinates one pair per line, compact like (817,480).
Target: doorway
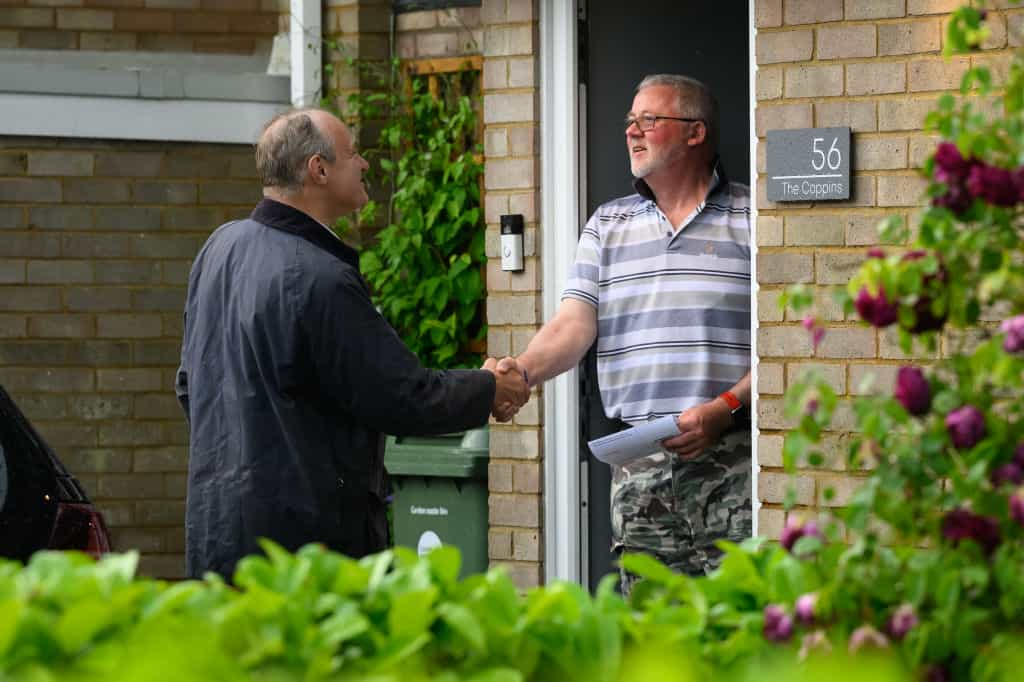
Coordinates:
(619,45)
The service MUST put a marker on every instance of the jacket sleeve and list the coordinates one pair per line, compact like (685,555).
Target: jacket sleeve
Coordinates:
(366,369)
(181,380)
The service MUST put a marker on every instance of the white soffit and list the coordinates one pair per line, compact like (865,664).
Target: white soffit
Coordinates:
(129,118)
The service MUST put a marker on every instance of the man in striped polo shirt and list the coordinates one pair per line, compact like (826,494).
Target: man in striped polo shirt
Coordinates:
(662,281)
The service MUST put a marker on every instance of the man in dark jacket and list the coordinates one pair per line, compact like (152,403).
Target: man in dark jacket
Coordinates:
(289,375)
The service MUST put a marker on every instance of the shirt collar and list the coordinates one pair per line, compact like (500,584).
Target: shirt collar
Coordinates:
(718,179)
(283,217)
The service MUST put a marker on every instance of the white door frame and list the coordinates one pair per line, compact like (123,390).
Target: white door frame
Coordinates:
(562,187)
(560,218)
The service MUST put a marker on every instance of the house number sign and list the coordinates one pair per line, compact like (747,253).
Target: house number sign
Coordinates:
(810,164)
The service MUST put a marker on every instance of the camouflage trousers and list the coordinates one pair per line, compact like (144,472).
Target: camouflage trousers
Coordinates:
(676,509)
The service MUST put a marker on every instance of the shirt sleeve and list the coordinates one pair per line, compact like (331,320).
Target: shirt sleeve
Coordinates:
(585,271)
(366,369)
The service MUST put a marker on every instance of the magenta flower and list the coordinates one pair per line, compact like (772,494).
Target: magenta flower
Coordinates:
(1018,180)
(962,524)
(924,319)
(876,252)
(952,169)
(811,324)
(966,426)
(994,185)
(867,637)
(876,309)
(795,529)
(814,641)
(804,609)
(956,199)
(950,165)
(1014,330)
(1010,472)
(1017,506)
(913,391)
(903,620)
(778,625)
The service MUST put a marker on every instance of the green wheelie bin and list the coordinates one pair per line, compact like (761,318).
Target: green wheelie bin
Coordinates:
(440,493)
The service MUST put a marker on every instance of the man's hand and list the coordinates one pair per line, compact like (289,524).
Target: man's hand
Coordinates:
(511,391)
(699,428)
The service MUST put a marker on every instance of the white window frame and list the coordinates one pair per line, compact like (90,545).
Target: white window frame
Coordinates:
(177,120)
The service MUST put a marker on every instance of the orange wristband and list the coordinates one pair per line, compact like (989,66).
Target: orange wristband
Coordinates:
(732,401)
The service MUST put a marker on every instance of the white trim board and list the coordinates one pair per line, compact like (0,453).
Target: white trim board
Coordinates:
(305,39)
(131,118)
(559,233)
(755,498)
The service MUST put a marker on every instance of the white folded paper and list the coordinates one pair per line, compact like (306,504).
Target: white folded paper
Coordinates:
(639,441)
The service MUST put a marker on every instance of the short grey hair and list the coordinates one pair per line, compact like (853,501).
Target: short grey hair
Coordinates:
(286,144)
(695,101)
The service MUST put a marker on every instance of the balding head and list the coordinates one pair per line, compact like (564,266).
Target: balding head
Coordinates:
(287,143)
(695,101)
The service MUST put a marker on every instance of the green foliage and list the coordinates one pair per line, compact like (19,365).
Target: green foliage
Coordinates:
(904,541)
(394,616)
(425,266)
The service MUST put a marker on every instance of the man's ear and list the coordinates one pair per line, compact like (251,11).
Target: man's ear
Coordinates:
(699,134)
(315,169)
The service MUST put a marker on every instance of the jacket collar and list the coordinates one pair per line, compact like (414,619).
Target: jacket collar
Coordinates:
(283,217)
(718,179)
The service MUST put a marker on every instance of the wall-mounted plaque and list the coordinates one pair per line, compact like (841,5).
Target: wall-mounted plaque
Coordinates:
(810,164)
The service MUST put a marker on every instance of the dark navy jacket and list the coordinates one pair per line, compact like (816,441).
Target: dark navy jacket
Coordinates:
(288,377)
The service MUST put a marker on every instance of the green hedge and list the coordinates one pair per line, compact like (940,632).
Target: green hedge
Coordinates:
(317,615)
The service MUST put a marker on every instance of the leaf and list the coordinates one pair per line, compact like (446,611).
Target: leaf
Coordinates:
(412,612)
(496,675)
(445,562)
(76,627)
(10,614)
(344,624)
(646,566)
(462,620)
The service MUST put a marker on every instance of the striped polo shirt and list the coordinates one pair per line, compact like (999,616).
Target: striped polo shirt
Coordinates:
(673,307)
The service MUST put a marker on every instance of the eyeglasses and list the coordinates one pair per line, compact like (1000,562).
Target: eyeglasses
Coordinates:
(646,122)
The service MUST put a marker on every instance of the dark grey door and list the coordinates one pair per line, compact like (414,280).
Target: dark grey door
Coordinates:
(623,42)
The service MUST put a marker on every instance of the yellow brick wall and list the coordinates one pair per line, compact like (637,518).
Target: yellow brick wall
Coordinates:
(875,66)
(225,26)
(453,32)
(511,183)
(96,241)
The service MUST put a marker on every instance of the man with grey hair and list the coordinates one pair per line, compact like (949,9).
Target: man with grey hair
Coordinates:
(662,282)
(289,376)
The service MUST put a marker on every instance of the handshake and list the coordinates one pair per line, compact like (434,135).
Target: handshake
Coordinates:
(511,390)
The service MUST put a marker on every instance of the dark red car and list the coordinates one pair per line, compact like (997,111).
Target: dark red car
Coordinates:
(42,506)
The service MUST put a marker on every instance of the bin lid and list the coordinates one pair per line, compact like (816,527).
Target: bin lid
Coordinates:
(455,455)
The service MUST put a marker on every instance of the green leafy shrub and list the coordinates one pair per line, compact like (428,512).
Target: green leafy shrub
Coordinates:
(425,266)
(316,615)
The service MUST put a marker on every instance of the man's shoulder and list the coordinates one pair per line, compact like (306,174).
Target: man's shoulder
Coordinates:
(733,197)
(622,209)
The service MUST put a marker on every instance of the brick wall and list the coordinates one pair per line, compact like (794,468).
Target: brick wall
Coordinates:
(511,182)
(357,29)
(97,240)
(439,33)
(873,65)
(227,26)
